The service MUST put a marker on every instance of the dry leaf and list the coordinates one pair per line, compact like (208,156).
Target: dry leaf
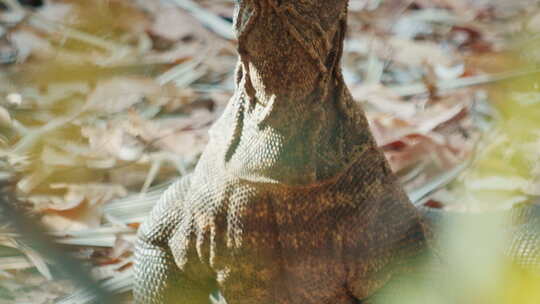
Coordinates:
(58,11)
(433,118)
(184,136)
(92,194)
(78,208)
(384,100)
(113,140)
(416,53)
(118,94)
(174,24)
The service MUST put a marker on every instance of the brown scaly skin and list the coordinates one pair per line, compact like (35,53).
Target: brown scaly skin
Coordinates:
(291,202)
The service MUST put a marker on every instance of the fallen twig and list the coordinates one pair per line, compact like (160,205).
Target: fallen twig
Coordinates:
(445,85)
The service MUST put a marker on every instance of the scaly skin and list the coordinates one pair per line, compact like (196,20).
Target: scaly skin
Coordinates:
(291,201)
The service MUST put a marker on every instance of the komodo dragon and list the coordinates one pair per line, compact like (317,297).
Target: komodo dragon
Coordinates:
(291,201)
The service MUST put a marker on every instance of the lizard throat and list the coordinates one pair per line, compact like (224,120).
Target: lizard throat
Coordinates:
(292,119)
(300,143)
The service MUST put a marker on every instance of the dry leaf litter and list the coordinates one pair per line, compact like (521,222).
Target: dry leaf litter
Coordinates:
(103,103)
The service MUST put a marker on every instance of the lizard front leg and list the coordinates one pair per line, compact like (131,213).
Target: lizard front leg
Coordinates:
(158,279)
(156,274)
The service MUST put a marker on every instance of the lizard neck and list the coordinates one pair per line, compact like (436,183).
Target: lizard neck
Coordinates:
(292,120)
(286,59)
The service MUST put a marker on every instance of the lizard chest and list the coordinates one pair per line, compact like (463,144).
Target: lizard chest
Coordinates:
(288,244)
(269,243)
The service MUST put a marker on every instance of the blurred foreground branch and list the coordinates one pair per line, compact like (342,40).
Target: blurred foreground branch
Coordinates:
(33,235)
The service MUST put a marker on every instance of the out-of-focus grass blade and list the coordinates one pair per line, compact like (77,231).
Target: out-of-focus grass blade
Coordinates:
(418,195)
(117,284)
(215,23)
(97,237)
(135,207)
(14,263)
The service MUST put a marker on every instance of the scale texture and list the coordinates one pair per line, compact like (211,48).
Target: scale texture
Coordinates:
(291,201)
